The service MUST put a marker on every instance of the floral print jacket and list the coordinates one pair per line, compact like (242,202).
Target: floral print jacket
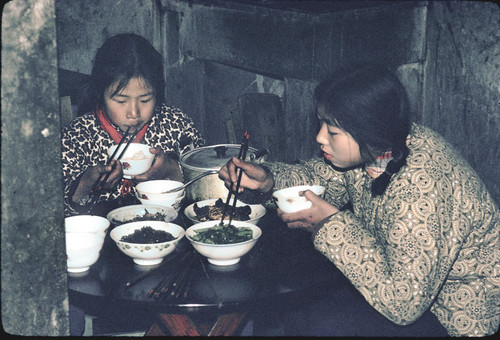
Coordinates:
(85,144)
(430,241)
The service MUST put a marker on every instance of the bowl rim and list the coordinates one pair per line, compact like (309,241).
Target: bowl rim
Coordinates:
(250,225)
(97,217)
(142,206)
(156,181)
(182,232)
(141,146)
(210,201)
(304,186)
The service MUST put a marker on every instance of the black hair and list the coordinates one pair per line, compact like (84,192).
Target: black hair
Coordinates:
(369,102)
(120,58)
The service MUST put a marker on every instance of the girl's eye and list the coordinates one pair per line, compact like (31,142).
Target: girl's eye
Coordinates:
(120,101)
(146,100)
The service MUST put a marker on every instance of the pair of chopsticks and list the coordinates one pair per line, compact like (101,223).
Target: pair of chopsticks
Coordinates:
(177,281)
(242,155)
(146,273)
(103,177)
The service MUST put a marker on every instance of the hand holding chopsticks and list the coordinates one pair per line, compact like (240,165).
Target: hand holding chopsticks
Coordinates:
(98,184)
(242,155)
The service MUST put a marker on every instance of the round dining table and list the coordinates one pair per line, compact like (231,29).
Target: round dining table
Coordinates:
(281,272)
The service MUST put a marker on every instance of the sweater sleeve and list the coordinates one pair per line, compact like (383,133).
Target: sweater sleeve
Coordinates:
(314,171)
(80,149)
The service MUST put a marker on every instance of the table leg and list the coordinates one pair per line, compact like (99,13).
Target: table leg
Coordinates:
(183,325)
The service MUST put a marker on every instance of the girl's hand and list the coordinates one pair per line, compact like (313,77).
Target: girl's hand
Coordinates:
(254,176)
(91,175)
(309,218)
(163,167)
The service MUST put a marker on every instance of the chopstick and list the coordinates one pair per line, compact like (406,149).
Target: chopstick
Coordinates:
(143,275)
(99,188)
(184,277)
(99,179)
(236,194)
(241,155)
(170,280)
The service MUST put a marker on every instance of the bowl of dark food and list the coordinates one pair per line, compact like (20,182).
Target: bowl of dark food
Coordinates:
(141,212)
(147,242)
(212,210)
(136,160)
(223,245)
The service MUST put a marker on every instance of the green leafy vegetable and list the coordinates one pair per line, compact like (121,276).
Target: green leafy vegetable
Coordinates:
(223,234)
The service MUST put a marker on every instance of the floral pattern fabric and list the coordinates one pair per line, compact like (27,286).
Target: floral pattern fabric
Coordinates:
(430,241)
(85,144)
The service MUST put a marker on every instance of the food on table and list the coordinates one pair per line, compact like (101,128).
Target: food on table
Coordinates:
(148,235)
(214,212)
(136,156)
(223,234)
(158,216)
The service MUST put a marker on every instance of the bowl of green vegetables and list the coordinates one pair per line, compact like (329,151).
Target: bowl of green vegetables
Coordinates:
(223,244)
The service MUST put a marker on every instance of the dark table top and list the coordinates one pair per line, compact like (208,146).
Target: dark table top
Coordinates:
(283,269)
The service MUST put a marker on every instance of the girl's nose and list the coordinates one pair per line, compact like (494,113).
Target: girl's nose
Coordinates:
(133,110)
(322,133)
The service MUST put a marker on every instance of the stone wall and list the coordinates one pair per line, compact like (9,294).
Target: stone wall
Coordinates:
(34,280)
(462,82)
(83,25)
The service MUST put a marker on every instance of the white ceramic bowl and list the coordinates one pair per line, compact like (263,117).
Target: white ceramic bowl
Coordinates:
(136,160)
(153,189)
(151,253)
(86,224)
(223,254)
(82,250)
(257,211)
(289,201)
(141,212)
(174,203)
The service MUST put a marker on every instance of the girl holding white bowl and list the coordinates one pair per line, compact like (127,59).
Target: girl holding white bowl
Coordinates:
(418,214)
(126,92)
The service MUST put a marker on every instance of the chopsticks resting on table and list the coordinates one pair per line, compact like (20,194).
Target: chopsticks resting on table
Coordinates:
(176,280)
(146,273)
(98,184)
(242,155)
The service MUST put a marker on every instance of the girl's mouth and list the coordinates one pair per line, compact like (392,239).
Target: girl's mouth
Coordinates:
(327,156)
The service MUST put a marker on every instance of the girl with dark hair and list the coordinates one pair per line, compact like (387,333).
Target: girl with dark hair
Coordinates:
(125,92)
(419,245)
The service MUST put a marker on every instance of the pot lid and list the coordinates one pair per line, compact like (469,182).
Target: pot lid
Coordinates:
(211,157)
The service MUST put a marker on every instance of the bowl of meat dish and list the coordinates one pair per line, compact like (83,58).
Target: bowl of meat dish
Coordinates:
(289,200)
(141,212)
(156,189)
(136,160)
(82,250)
(86,224)
(223,245)
(147,242)
(212,210)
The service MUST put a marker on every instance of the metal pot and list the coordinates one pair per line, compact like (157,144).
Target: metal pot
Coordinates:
(200,160)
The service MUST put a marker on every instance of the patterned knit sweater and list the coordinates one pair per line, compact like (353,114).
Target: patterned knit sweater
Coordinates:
(430,241)
(85,144)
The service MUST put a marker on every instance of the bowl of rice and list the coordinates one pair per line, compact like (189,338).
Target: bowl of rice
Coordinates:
(136,160)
